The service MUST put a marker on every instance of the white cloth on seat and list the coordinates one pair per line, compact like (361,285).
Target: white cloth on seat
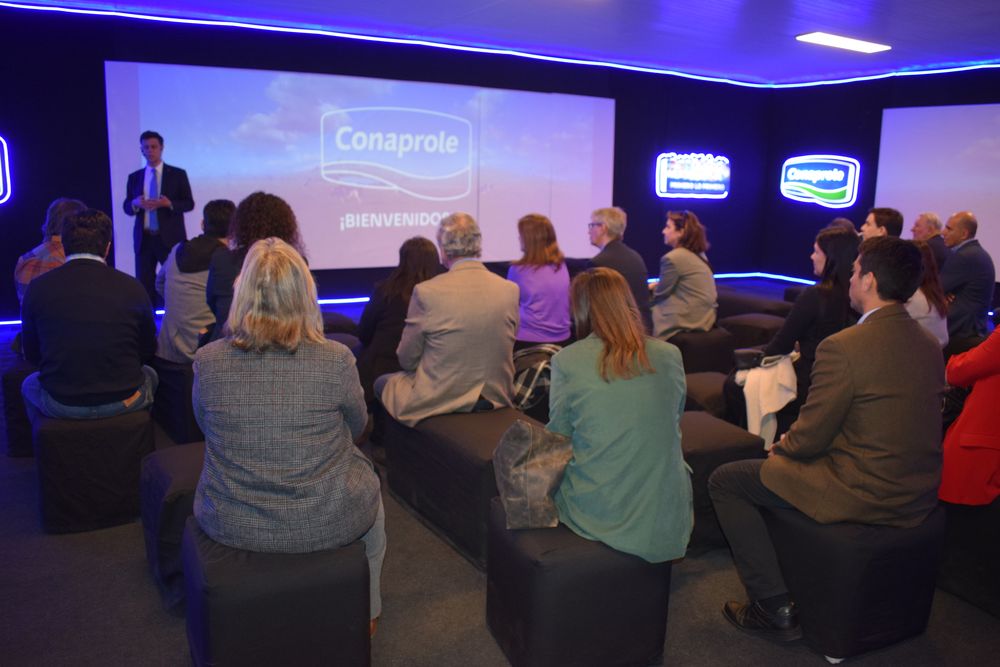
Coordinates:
(767,389)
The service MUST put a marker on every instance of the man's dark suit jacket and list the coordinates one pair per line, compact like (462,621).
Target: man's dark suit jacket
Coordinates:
(175,187)
(939,250)
(89,328)
(618,256)
(969,275)
(866,447)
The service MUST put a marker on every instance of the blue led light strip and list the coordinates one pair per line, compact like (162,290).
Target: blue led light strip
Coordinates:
(491,51)
(772,276)
(5,187)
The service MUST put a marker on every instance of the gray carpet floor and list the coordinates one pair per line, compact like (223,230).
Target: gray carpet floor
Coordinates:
(88,599)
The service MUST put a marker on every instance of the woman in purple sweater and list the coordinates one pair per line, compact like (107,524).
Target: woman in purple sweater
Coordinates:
(544,281)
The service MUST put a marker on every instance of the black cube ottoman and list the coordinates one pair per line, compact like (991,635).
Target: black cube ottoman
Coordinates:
(704,351)
(443,469)
(752,329)
(972,555)
(88,469)
(554,598)
(249,608)
(15,418)
(707,443)
(705,392)
(172,406)
(858,587)
(168,483)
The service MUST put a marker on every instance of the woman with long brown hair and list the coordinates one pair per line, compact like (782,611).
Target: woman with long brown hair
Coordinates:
(384,317)
(619,395)
(542,276)
(928,305)
(685,298)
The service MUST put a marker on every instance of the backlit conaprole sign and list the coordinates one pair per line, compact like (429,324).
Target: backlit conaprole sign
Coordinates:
(692,176)
(827,180)
(4,172)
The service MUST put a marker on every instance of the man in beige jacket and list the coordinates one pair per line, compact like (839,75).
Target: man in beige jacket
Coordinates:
(866,447)
(457,347)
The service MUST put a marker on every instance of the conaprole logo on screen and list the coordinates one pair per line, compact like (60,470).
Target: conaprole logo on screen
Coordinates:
(827,180)
(692,176)
(425,154)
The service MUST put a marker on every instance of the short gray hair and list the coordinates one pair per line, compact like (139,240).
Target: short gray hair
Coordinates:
(614,220)
(58,211)
(932,220)
(458,236)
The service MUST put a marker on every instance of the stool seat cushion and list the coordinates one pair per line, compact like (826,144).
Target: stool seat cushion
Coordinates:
(168,483)
(555,598)
(707,442)
(249,608)
(858,587)
(88,469)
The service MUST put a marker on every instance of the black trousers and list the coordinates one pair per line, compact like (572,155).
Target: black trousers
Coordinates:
(152,251)
(737,494)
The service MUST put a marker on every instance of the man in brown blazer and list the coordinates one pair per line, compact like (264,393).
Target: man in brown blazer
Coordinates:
(867,444)
(457,347)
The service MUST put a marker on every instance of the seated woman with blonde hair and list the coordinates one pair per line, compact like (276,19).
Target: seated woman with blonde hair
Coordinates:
(619,395)
(685,297)
(543,278)
(280,406)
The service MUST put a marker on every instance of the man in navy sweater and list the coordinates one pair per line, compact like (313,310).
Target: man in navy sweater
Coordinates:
(90,329)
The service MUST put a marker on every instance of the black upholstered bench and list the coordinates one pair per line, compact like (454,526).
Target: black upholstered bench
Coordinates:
(88,469)
(752,329)
(168,483)
(443,469)
(972,555)
(707,443)
(15,418)
(734,302)
(172,406)
(858,587)
(554,598)
(704,351)
(250,608)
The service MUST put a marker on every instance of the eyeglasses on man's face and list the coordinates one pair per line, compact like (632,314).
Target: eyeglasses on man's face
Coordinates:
(592,225)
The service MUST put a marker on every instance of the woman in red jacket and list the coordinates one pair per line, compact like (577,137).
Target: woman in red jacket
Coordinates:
(971,473)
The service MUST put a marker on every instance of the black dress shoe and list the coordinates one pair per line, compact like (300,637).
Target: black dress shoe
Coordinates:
(753,619)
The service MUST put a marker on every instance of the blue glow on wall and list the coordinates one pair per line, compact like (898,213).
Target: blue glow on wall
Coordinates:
(827,180)
(692,176)
(4,172)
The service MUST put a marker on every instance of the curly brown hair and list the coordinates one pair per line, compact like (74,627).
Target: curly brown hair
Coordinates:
(262,215)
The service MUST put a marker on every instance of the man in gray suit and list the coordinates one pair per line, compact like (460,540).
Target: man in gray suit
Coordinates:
(457,347)
(866,447)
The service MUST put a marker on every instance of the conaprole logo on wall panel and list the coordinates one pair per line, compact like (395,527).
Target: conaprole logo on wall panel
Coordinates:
(827,180)
(4,172)
(425,154)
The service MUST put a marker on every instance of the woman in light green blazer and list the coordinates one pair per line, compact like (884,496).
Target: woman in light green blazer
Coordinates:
(618,395)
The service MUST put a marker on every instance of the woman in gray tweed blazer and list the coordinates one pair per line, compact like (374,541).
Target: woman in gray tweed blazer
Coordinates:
(280,407)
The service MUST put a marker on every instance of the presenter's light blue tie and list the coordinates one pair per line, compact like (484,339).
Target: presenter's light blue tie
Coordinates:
(154,193)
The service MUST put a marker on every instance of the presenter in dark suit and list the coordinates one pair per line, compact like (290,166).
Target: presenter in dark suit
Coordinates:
(159,206)
(865,449)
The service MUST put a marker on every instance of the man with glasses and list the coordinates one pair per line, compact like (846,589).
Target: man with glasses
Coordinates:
(606,229)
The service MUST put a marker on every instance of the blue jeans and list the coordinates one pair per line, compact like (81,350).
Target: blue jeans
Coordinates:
(374,541)
(37,401)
